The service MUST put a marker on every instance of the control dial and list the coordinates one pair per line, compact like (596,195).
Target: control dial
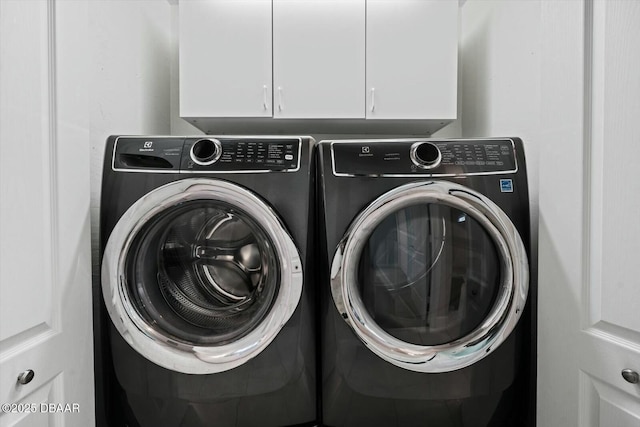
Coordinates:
(206,151)
(425,155)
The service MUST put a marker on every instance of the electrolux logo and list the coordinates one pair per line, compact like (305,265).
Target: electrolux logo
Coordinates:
(365,151)
(148,146)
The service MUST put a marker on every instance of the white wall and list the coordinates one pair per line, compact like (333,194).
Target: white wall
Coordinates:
(131,45)
(500,77)
(178,125)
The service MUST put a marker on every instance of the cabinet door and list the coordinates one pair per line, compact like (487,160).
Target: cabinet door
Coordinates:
(225,58)
(318,58)
(589,238)
(412,59)
(46,361)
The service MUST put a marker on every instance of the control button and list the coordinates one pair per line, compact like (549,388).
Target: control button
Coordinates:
(425,155)
(288,156)
(205,152)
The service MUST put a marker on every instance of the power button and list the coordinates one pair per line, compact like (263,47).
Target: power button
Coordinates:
(288,156)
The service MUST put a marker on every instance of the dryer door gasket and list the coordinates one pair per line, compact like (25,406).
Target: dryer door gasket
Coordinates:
(200,275)
(432,276)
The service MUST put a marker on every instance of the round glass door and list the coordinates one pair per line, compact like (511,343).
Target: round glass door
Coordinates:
(431,276)
(200,275)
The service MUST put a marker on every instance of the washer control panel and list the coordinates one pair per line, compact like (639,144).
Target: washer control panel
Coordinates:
(241,154)
(423,157)
(206,154)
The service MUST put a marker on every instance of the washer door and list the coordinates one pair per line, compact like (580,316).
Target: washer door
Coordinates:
(431,276)
(200,275)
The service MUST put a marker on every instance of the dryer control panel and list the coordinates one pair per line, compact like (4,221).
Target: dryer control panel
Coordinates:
(418,157)
(206,154)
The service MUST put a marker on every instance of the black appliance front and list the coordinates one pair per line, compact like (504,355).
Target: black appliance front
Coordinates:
(207,311)
(426,300)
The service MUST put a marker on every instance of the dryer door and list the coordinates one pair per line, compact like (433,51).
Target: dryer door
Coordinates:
(200,275)
(432,276)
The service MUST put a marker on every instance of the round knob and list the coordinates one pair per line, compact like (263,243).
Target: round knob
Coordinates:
(425,155)
(26,376)
(630,376)
(206,151)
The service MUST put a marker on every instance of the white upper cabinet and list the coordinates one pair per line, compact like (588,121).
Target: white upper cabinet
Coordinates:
(318,58)
(225,58)
(412,59)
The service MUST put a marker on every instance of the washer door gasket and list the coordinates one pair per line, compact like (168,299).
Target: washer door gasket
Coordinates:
(200,275)
(480,336)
